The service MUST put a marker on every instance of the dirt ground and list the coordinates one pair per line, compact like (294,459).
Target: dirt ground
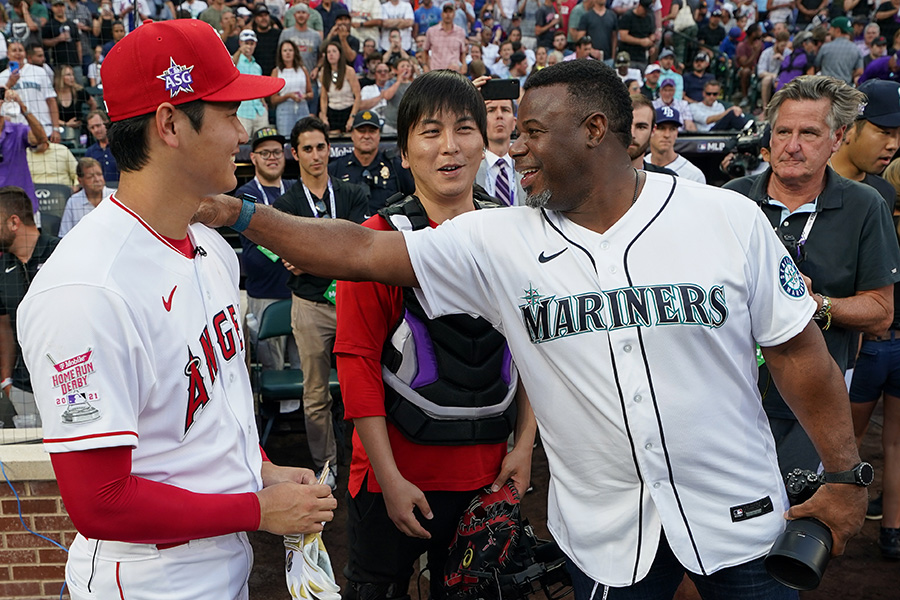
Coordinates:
(861,574)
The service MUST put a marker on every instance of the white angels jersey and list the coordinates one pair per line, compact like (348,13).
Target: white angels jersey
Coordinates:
(130,343)
(637,349)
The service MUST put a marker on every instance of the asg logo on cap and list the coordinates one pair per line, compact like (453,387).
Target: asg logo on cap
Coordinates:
(177,78)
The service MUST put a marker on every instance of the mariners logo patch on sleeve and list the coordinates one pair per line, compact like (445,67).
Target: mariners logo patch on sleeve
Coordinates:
(790,279)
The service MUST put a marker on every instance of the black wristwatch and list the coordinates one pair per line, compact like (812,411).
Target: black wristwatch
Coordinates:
(862,475)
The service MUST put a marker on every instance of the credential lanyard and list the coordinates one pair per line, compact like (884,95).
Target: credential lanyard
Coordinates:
(262,192)
(312,205)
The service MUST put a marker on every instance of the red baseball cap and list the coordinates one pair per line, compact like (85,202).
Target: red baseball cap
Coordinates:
(178,62)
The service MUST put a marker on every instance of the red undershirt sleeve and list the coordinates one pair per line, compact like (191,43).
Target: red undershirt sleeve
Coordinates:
(264,455)
(105,501)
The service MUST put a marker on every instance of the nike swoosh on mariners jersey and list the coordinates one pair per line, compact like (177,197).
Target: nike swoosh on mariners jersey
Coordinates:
(10,269)
(168,303)
(543,259)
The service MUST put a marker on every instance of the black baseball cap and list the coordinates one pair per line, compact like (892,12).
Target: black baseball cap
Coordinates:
(883,107)
(367,117)
(265,134)
(517,57)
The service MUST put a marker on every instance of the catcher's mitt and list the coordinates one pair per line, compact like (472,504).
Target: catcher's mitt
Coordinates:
(485,539)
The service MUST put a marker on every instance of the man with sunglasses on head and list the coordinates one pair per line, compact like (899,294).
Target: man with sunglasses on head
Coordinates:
(313,319)
(371,167)
(839,233)
(266,278)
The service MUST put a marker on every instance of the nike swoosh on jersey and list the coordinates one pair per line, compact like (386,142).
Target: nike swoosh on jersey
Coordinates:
(167,304)
(544,259)
(10,269)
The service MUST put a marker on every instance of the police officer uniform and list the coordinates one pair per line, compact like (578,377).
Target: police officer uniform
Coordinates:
(383,177)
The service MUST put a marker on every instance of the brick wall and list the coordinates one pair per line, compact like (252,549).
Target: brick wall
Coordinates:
(32,568)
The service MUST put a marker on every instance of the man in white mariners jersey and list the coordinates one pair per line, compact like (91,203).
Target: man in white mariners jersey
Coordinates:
(135,351)
(633,303)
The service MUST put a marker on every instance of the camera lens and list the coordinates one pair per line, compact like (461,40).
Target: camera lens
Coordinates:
(800,554)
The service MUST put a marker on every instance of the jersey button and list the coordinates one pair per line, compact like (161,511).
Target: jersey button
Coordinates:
(638,398)
(604,245)
(648,446)
(786,223)
(613,269)
(627,348)
(656,485)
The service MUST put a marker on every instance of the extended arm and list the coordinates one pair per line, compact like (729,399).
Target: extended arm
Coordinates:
(327,247)
(869,311)
(812,385)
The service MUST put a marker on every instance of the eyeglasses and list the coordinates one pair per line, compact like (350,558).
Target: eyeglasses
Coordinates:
(267,154)
(321,208)
(710,93)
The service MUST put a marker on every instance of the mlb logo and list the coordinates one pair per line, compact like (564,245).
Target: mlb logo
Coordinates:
(737,513)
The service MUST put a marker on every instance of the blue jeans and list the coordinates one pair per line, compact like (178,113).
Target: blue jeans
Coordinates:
(748,581)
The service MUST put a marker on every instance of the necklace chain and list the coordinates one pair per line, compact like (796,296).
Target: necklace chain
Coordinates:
(637,182)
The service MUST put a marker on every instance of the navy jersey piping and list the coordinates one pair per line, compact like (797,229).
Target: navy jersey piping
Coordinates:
(662,435)
(563,235)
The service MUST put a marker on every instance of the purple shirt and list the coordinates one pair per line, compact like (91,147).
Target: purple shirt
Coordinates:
(14,168)
(878,69)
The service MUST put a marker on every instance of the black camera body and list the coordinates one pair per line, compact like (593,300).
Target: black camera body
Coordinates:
(801,484)
(746,154)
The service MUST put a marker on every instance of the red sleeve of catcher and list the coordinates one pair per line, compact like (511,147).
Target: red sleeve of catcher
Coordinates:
(107,502)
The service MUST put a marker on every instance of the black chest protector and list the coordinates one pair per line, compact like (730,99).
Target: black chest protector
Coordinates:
(447,381)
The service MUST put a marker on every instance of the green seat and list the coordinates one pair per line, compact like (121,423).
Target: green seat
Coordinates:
(275,386)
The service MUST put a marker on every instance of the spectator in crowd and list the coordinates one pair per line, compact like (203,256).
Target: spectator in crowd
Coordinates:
(15,138)
(93,191)
(340,33)
(308,42)
(403,77)
(195,7)
(80,14)
(662,145)
(871,33)
(633,86)
(365,18)
(52,163)
(103,24)
(426,16)
(24,251)
(809,118)
(267,36)
(117,32)
(667,98)
(132,12)
(231,32)
(365,61)
(266,278)
(840,57)
(711,115)
(397,14)
(291,102)
(213,13)
(374,97)
(779,11)
(729,45)
(886,18)
(886,67)
(253,114)
(695,80)
(312,314)
(35,89)
(601,25)
(501,67)
(497,173)
(712,33)
(97,122)
(769,64)
(25,21)
(746,56)
(378,171)
(667,71)
(395,51)
(801,60)
(94,78)
(637,33)
(60,36)
(624,69)
(445,43)
(339,100)
(876,50)
(330,10)
(807,9)
(315,18)
(650,89)
(518,67)
(547,23)
(643,124)
(73,102)
(583,49)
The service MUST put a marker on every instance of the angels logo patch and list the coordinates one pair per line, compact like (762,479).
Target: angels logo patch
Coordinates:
(790,279)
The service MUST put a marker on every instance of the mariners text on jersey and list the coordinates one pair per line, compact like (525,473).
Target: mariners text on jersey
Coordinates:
(548,317)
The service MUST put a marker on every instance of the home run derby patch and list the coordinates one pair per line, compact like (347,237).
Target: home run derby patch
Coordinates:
(71,379)
(790,279)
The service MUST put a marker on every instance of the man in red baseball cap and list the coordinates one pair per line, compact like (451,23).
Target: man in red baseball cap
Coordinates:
(133,341)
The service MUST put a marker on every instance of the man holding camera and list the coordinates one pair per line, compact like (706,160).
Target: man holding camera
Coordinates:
(838,232)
